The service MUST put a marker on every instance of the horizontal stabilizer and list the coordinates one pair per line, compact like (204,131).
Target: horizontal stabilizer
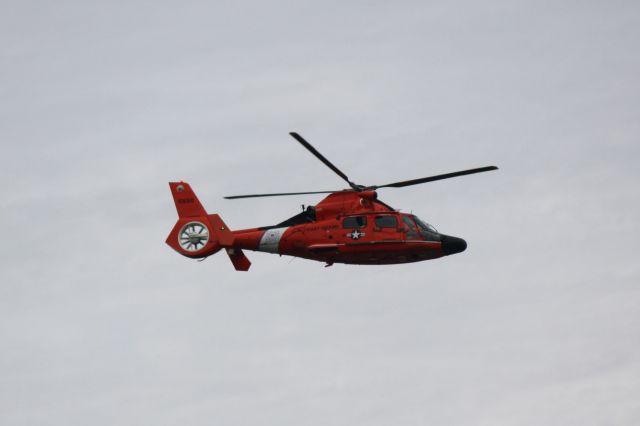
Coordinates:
(239,260)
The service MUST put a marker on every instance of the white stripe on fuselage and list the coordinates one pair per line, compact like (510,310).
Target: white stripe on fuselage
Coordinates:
(271,240)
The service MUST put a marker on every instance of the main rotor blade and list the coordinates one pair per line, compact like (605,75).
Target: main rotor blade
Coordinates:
(433,178)
(321,157)
(235,197)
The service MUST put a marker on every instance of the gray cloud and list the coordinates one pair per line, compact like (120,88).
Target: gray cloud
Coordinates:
(103,104)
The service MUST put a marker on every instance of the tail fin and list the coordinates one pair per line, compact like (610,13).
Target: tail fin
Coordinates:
(187,204)
(197,234)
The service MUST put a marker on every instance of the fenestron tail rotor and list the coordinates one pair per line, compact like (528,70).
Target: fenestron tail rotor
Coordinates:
(356,187)
(193,236)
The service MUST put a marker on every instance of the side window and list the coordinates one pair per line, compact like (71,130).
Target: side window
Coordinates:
(386,222)
(412,232)
(354,222)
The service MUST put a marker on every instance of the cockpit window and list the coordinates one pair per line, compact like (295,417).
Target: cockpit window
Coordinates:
(427,231)
(425,226)
(386,222)
(354,222)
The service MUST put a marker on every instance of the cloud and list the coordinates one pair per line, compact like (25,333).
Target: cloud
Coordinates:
(106,103)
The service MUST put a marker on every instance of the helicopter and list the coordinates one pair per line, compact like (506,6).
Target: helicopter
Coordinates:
(350,226)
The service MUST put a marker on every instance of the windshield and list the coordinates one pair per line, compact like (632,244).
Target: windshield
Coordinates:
(427,231)
(425,226)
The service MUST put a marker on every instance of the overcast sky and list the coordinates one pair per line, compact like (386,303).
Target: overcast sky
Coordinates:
(103,103)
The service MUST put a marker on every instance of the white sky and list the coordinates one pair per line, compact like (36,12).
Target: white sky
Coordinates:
(103,103)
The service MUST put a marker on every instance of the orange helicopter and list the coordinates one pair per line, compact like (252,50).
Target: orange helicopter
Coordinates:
(349,226)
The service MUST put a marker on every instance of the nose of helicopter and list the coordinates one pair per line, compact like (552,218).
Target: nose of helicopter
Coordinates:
(453,245)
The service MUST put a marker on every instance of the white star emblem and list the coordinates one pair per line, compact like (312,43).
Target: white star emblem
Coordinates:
(355,234)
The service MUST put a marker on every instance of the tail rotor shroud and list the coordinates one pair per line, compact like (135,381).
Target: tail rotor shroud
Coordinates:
(193,236)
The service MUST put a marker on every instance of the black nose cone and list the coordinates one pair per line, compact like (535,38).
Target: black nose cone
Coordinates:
(453,245)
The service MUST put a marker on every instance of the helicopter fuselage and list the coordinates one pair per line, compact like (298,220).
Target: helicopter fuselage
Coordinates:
(346,227)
